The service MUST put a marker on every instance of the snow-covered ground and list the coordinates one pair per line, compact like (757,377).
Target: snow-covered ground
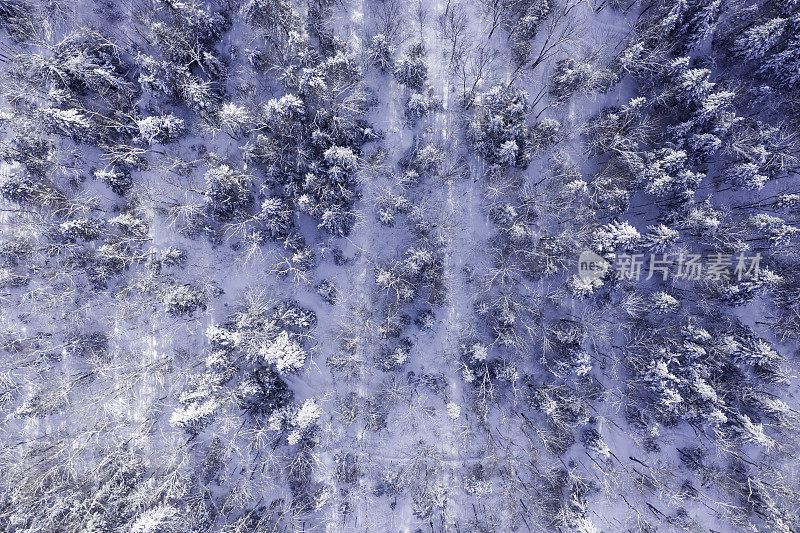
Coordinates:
(313,266)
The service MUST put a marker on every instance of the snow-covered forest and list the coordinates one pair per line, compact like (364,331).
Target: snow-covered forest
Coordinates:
(399,266)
